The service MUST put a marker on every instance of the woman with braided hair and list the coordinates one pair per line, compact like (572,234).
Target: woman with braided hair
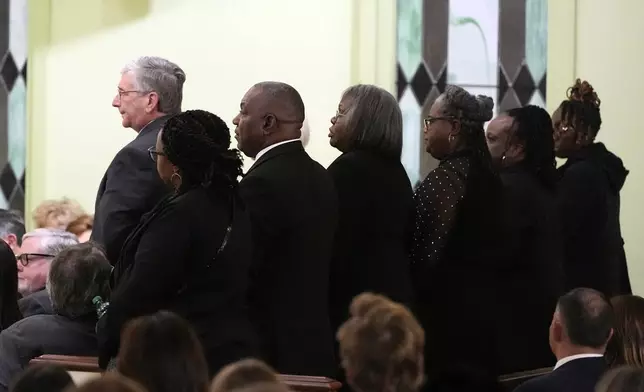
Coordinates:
(457,241)
(588,196)
(191,253)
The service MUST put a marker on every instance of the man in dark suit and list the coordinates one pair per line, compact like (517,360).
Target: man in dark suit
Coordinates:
(293,210)
(581,327)
(150,90)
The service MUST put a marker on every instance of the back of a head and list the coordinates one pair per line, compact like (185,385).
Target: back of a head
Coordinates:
(159,75)
(533,129)
(264,387)
(57,214)
(285,99)
(77,275)
(382,341)
(52,241)
(12,222)
(42,378)
(110,382)
(162,352)
(242,374)
(622,379)
(626,347)
(587,317)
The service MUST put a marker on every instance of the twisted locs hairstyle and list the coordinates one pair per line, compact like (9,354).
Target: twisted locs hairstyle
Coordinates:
(581,109)
(472,112)
(533,129)
(197,142)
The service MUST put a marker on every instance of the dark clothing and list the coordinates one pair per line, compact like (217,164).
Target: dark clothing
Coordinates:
(36,303)
(43,334)
(293,209)
(375,202)
(171,262)
(456,253)
(130,187)
(533,279)
(579,375)
(589,205)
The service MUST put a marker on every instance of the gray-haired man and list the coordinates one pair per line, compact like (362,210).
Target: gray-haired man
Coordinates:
(12,228)
(38,249)
(150,90)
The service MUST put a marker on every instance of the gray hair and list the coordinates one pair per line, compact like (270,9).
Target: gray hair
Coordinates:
(156,74)
(11,222)
(374,120)
(77,275)
(52,241)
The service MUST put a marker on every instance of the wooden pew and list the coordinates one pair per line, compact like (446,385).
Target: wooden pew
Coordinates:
(513,380)
(87,367)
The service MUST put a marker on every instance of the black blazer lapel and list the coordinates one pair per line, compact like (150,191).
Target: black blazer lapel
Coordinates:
(287,148)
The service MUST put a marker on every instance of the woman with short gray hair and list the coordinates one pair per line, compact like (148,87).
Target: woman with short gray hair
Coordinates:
(374,197)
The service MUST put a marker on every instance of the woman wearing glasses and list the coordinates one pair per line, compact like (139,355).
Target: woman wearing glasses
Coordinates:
(191,253)
(588,193)
(456,243)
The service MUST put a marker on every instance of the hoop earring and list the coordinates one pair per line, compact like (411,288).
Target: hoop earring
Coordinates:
(450,138)
(172,181)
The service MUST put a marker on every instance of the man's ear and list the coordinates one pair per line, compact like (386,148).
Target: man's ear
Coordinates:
(153,102)
(11,240)
(269,123)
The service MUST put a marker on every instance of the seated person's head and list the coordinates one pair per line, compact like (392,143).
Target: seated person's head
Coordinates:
(77,275)
(109,382)
(38,249)
(82,227)
(242,374)
(12,228)
(381,346)
(57,214)
(147,357)
(626,347)
(582,323)
(622,379)
(42,378)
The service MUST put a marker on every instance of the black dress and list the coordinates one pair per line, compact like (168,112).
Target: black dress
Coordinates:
(589,205)
(456,251)
(171,261)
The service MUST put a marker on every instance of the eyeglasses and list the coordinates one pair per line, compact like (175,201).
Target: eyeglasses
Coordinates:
(27,258)
(429,120)
(154,153)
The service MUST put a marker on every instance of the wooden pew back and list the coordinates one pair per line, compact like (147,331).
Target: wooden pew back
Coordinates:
(513,380)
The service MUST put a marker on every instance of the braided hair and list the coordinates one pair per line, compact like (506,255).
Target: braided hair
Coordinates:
(581,109)
(197,142)
(533,128)
(472,112)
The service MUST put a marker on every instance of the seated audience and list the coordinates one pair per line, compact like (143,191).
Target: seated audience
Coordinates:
(82,227)
(626,347)
(77,275)
(38,249)
(162,353)
(42,378)
(242,374)
(381,346)
(110,382)
(581,327)
(9,312)
(12,228)
(57,214)
(622,379)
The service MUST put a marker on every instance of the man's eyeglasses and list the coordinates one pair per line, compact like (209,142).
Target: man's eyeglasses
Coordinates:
(429,120)
(27,258)
(125,92)
(154,153)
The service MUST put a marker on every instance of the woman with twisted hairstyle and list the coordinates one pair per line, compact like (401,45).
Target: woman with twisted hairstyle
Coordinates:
(588,196)
(191,253)
(458,236)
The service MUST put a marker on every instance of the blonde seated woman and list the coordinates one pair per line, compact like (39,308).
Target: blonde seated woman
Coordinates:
(243,374)
(381,346)
(57,214)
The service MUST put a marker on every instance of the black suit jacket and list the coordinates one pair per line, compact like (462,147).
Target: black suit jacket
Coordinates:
(579,375)
(293,209)
(130,187)
(171,262)
(375,218)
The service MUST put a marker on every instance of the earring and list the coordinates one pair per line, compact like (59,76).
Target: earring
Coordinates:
(173,182)
(450,138)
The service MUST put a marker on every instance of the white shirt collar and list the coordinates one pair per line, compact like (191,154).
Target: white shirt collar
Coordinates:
(565,360)
(267,149)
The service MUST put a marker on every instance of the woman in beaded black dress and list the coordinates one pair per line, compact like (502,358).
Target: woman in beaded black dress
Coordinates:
(456,247)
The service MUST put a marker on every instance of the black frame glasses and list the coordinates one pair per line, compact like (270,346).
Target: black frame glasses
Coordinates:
(27,258)
(154,153)
(429,120)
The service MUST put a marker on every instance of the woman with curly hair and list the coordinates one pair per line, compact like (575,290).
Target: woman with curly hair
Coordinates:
(588,196)
(191,253)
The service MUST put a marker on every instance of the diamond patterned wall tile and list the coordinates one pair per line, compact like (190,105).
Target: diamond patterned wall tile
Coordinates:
(421,83)
(17,200)
(411,129)
(17,125)
(524,86)
(401,81)
(542,85)
(9,71)
(537,99)
(435,30)
(536,37)
(18,31)
(410,36)
(7,181)
(510,101)
(4,122)
(512,35)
